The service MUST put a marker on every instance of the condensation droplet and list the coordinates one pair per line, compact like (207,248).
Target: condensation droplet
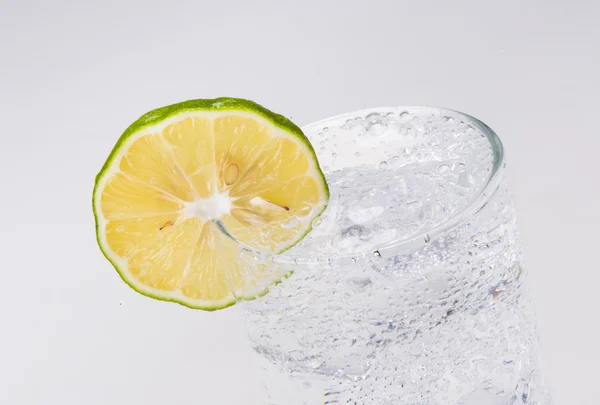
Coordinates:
(405,116)
(377,128)
(443,168)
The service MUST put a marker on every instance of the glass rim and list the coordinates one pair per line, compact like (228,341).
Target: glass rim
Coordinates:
(425,236)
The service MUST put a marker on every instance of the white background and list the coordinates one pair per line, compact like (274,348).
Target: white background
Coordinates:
(74,74)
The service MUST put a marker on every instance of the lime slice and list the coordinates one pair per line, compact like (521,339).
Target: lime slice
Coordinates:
(188,186)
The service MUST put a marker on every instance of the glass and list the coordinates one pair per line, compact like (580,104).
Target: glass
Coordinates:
(410,290)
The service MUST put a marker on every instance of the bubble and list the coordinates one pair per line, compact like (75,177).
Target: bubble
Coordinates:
(405,116)
(334,154)
(326,129)
(377,128)
(443,168)
(373,116)
(376,253)
(394,161)
(383,165)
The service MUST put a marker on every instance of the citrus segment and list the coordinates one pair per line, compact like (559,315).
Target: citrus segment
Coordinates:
(149,161)
(191,142)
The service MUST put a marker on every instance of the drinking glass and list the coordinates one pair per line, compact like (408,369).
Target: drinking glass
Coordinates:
(411,288)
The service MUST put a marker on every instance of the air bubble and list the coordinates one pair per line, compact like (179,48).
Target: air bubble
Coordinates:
(405,116)
(443,168)
(383,165)
(377,128)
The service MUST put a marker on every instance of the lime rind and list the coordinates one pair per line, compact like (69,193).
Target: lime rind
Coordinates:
(160,114)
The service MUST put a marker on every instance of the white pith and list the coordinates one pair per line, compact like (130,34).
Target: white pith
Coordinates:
(209,209)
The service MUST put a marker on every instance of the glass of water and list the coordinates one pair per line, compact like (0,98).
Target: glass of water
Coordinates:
(411,289)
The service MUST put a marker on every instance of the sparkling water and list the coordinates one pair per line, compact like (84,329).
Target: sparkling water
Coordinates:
(410,290)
